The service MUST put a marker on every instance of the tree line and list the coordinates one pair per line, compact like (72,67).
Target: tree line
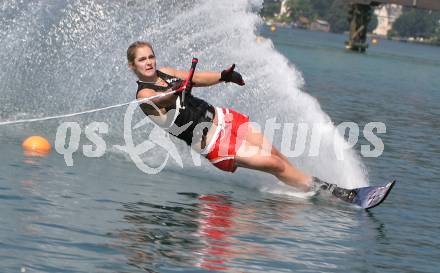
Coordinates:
(412,23)
(418,23)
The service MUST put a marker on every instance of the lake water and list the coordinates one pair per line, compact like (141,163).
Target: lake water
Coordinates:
(106,215)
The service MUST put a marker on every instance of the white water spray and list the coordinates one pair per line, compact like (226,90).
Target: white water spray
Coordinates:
(70,56)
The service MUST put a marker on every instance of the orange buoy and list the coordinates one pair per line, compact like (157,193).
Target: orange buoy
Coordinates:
(36,146)
(273,28)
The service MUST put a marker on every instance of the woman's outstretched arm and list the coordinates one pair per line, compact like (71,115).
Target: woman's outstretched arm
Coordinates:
(207,78)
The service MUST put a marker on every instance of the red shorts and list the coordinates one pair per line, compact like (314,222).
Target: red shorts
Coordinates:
(233,129)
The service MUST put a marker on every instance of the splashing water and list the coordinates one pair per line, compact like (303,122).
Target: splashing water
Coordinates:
(69,56)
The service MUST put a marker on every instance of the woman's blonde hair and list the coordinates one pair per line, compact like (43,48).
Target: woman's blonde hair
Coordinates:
(131,51)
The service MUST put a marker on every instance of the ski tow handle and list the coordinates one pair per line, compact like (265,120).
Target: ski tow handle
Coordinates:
(188,85)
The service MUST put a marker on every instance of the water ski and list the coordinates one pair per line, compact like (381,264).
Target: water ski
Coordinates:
(366,197)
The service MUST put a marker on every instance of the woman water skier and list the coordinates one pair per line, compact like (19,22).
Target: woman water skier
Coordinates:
(241,137)
(228,138)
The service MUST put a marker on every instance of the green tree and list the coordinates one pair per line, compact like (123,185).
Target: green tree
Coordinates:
(337,16)
(270,8)
(373,23)
(299,8)
(417,23)
(437,33)
(321,7)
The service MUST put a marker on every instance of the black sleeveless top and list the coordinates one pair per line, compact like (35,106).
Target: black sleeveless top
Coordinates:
(194,112)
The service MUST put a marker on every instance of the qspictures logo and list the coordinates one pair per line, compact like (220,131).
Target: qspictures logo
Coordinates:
(306,141)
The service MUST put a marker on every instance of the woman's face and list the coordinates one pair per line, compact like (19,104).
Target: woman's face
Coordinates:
(144,65)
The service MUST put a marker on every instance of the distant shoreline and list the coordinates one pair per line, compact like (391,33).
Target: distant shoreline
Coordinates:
(410,40)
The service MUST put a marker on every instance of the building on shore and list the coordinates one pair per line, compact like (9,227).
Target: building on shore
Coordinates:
(386,16)
(320,25)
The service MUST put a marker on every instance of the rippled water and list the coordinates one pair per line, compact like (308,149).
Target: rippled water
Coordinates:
(104,215)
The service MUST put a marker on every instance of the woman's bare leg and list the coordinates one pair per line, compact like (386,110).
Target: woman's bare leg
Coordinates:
(257,153)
